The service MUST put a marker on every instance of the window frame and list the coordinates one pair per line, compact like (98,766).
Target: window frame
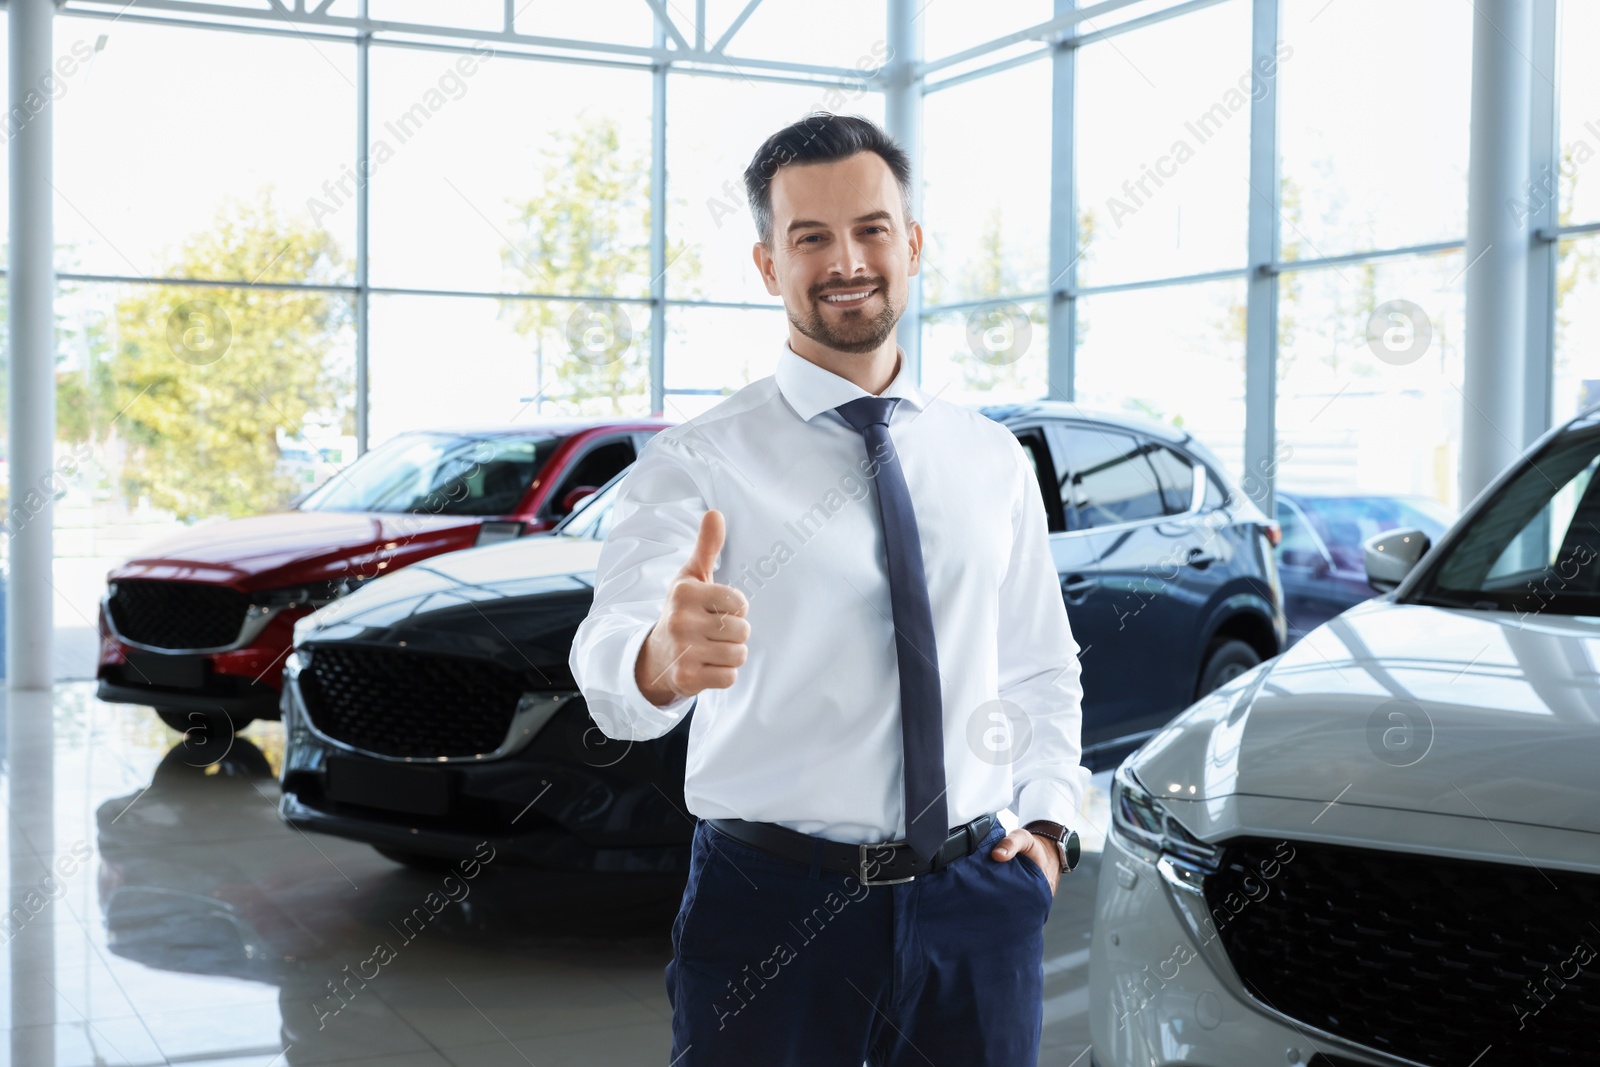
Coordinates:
(1197,494)
(1044,464)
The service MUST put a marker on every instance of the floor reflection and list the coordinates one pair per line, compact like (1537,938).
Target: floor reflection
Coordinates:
(201,930)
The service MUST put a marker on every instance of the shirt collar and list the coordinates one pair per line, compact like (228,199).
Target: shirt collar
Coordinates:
(811,389)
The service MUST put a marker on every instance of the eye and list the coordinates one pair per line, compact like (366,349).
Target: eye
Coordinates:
(809,236)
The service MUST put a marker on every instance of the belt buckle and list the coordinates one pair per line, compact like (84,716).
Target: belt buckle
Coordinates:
(862,866)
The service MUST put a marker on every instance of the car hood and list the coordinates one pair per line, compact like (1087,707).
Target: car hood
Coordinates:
(299,546)
(493,579)
(1466,715)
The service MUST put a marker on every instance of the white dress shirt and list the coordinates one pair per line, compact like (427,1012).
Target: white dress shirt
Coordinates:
(808,736)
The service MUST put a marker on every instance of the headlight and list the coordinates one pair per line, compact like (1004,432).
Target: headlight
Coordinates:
(312,594)
(1145,821)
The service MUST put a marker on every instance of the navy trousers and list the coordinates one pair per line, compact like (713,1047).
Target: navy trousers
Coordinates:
(780,965)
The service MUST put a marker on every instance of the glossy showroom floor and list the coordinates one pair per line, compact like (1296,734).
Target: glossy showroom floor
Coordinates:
(161,914)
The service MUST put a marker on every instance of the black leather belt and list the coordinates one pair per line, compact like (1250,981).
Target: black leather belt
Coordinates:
(883,863)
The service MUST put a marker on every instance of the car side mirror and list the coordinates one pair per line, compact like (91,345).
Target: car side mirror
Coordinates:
(1391,555)
(576,494)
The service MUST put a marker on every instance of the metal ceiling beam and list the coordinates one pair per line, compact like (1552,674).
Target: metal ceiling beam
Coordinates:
(664,21)
(1048,31)
(735,25)
(341,28)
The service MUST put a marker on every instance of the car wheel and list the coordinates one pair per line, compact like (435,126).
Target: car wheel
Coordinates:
(212,724)
(1229,658)
(416,860)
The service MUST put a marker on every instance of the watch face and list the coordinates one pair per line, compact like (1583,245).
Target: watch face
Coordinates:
(1072,849)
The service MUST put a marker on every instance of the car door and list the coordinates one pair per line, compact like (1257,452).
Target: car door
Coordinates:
(1120,558)
(1075,571)
(1201,561)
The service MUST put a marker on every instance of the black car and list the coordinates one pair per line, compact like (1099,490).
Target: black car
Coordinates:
(437,711)
(433,708)
(1320,558)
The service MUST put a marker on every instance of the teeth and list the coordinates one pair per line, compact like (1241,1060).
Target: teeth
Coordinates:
(847,299)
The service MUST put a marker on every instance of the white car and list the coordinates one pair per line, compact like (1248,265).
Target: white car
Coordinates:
(1382,847)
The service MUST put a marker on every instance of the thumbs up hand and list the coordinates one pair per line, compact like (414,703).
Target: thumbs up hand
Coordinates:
(699,641)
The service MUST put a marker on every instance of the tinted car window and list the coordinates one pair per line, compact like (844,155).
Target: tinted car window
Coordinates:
(586,516)
(438,474)
(1216,495)
(1533,547)
(602,524)
(1107,478)
(596,468)
(1177,478)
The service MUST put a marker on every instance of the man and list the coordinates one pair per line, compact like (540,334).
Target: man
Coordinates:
(878,664)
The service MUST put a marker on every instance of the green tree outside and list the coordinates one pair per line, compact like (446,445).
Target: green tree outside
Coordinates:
(586,230)
(198,379)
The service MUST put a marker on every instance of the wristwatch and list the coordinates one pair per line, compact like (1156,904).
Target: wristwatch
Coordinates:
(1066,841)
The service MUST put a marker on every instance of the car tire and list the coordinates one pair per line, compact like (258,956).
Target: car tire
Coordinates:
(417,861)
(214,724)
(1228,659)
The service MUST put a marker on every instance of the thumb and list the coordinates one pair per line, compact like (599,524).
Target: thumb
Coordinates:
(703,558)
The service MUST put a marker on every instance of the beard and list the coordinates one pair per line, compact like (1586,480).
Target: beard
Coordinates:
(856,332)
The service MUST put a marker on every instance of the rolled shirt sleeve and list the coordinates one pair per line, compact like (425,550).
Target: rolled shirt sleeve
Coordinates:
(655,522)
(1038,666)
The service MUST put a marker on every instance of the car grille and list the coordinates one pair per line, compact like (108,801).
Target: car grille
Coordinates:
(409,704)
(1440,961)
(178,614)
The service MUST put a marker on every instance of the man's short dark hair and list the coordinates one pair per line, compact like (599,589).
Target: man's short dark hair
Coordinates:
(820,137)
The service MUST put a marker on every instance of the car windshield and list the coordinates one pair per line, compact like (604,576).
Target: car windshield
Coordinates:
(1535,546)
(438,474)
(1344,522)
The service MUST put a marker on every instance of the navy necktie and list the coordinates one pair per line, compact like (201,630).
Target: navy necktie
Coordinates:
(921,707)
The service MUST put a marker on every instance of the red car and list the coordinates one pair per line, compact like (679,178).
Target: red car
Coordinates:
(198,626)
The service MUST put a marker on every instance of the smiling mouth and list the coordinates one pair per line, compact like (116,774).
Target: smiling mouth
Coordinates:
(849,299)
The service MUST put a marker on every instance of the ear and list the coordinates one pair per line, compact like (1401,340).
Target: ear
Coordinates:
(915,241)
(767,266)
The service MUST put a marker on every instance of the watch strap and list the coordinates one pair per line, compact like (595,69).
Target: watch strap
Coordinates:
(1059,834)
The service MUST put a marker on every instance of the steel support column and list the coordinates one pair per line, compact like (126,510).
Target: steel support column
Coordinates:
(1499,244)
(1543,206)
(30,523)
(363,306)
(902,112)
(1261,288)
(31,405)
(658,227)
(1061,299)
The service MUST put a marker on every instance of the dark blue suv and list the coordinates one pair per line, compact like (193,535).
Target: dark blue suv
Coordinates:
(1166,568)
(434,709)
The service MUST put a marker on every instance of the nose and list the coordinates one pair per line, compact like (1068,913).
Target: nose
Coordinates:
(851,261)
